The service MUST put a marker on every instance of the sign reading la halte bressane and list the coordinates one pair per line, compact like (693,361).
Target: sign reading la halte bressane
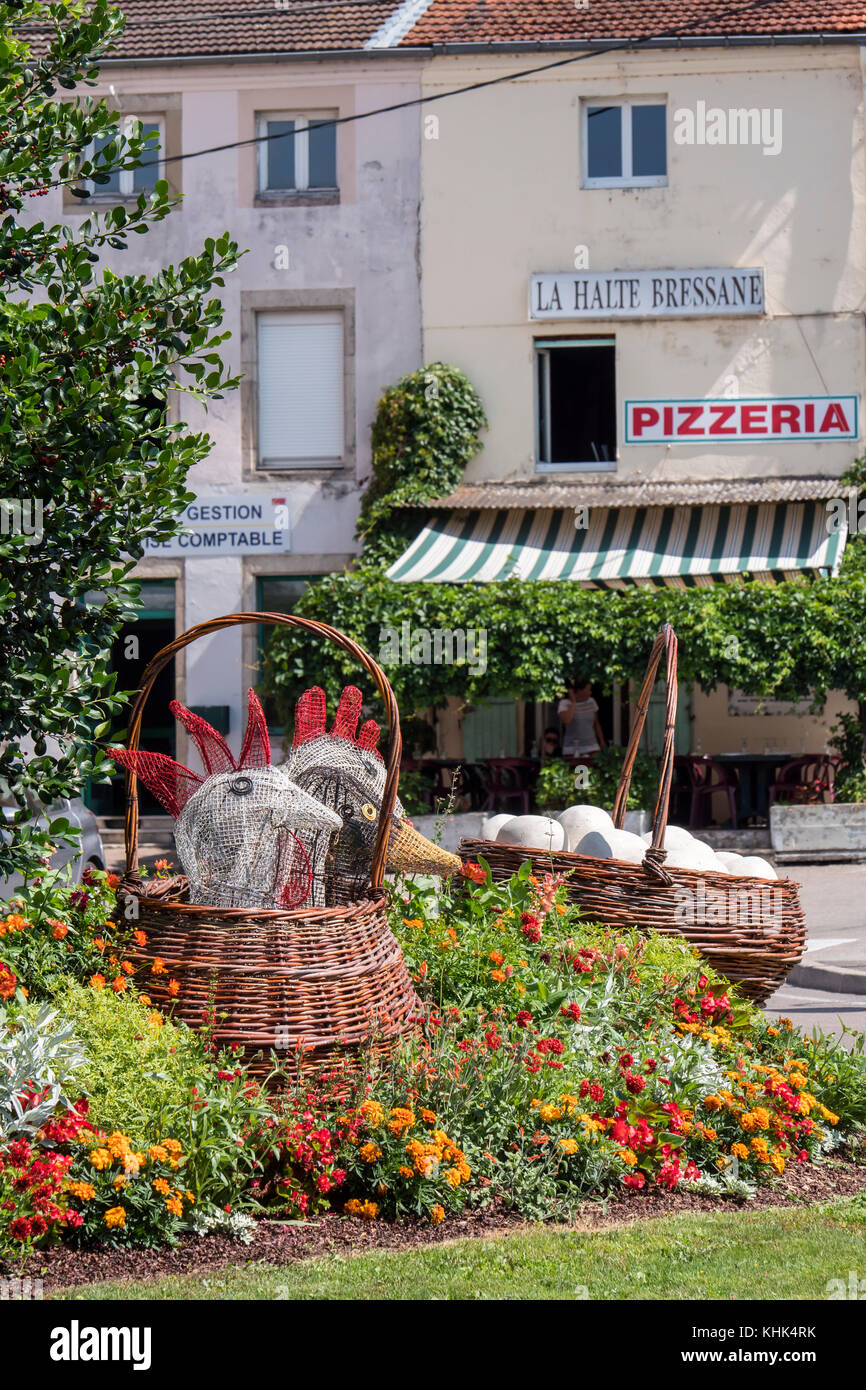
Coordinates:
(638,294)
(245,523)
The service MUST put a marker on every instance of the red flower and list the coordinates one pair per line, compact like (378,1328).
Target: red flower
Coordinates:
(523,1019)
(596,1092)
(634,1083)
(20,1228)
(8,982)
(626,1060)
(571,1011)
(635,1180)
(530,926)
(473,872)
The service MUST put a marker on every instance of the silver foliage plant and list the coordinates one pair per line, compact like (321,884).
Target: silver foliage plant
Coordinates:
(38,1054)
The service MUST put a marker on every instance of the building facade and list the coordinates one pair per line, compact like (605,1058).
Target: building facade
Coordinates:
(650,263)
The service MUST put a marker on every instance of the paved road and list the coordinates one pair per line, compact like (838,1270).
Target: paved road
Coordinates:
(812,1008)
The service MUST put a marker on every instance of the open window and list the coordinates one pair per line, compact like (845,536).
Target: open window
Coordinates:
(575,380)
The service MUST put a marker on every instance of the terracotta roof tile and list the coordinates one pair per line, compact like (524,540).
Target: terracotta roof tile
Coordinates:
(222,28)
(522,21)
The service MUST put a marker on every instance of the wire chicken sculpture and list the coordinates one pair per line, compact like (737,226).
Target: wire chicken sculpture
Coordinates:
(300,834)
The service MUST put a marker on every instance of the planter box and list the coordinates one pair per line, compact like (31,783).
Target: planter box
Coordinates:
(834,831)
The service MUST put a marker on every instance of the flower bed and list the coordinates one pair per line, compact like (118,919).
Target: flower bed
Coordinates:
(557,1063)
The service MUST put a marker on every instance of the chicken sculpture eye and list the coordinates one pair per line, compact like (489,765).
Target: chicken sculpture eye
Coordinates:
(241,786)
(368,811)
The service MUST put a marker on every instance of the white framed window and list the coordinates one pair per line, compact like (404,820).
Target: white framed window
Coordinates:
(297,152)
(128,183)
(575,393)
(301,389)
(624,143)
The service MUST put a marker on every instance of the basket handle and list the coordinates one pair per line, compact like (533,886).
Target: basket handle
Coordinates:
(666,642)
(395,742)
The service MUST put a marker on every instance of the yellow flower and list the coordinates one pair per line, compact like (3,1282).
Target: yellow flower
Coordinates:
(161,1186)
(115,1216)
(84,1191)
(628,1156)
(119,1183)
(158,1152)
(568,1146)
(406,1172)
(174,1205)
(367,1211)
(762,1117)
(760,1150)
(777,1161)
(452,1177)
(173,1146)
(100,1158)
(371,1113)
(437,1215)
(370,1152)
(428,1117)
(828,1115)
(740,1151)
(549,1113)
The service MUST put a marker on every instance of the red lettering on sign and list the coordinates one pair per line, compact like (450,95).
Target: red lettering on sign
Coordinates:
(834,419)
(786,415)
(753,419)
(691,413)
(668,422)
(809,413)
(722,413)
(643,417)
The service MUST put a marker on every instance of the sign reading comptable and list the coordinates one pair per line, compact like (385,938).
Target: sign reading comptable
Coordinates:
(638,294)
(783,419)
(245,523)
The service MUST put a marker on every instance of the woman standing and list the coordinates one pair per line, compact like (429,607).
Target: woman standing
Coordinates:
(578,713)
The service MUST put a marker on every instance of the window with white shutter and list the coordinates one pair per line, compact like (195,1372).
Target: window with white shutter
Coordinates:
(301,420)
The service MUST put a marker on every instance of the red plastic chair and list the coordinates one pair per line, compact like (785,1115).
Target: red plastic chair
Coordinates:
(803,779)
(707,779)
(509,781)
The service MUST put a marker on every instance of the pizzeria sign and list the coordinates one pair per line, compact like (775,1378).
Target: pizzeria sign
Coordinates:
(778,419)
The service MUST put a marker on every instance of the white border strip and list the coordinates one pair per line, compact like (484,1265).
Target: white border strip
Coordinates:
(397,26)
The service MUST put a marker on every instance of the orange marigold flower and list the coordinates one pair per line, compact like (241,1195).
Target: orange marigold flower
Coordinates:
(84,1191)
(115,1216)
(118,984)
(370,1152)
(437,1215)
(158,966)
(60,931)
(174,1205)
(173,988)
(158,1152)
(139,938)
(127,967)
(405,1172)
(367,1211)
(97,981)
(473,872)
(497,957)
(145,999)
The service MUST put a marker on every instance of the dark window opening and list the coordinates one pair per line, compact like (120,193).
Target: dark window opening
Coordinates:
(576,384)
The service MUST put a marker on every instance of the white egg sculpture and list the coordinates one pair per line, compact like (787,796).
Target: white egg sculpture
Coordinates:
(675,837)
(532,832)
(493,824)
(577,821)
(756,867)
(730,862)
(613,844)
(696,857)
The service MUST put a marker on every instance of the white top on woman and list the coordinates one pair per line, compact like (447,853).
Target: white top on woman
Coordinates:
(578,736)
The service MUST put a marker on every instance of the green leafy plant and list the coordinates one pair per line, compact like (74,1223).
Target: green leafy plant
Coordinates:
(90,359)
(40,1060)
(605,772)
(554,789)
(425,433)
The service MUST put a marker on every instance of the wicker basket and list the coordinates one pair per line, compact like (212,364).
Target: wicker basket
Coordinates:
(317,985)
(756,954)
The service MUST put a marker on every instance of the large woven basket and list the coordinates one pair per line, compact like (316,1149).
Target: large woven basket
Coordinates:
(316,985)
(756,954)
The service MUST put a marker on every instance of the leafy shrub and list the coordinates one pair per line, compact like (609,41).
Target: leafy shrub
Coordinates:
(58,929)
(605,774)
(555,789)
(125,1196)
(39,1059)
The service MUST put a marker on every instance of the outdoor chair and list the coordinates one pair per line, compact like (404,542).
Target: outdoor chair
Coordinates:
(803,780)
(509,782)
(708,779)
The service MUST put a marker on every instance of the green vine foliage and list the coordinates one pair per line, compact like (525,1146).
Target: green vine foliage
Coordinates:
(425,432)
(778,640)
(88,361)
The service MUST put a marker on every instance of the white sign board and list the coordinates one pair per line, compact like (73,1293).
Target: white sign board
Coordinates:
(641,294)
(782,419)
(243,523)
(739,703)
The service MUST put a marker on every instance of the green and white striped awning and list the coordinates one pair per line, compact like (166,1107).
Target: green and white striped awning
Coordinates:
(677,546)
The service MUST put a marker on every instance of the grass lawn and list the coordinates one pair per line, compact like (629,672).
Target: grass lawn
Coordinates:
(774,1254)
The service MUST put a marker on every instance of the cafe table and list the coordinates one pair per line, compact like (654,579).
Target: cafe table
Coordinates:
(756,773)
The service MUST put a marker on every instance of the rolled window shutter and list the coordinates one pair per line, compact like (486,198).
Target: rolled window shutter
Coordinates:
(300,381)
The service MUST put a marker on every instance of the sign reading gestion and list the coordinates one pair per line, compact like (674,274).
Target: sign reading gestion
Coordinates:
(245,523)
(781,419)
(638,294)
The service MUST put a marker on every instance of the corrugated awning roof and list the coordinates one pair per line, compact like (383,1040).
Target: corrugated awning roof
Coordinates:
(679,546)
(544,492)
